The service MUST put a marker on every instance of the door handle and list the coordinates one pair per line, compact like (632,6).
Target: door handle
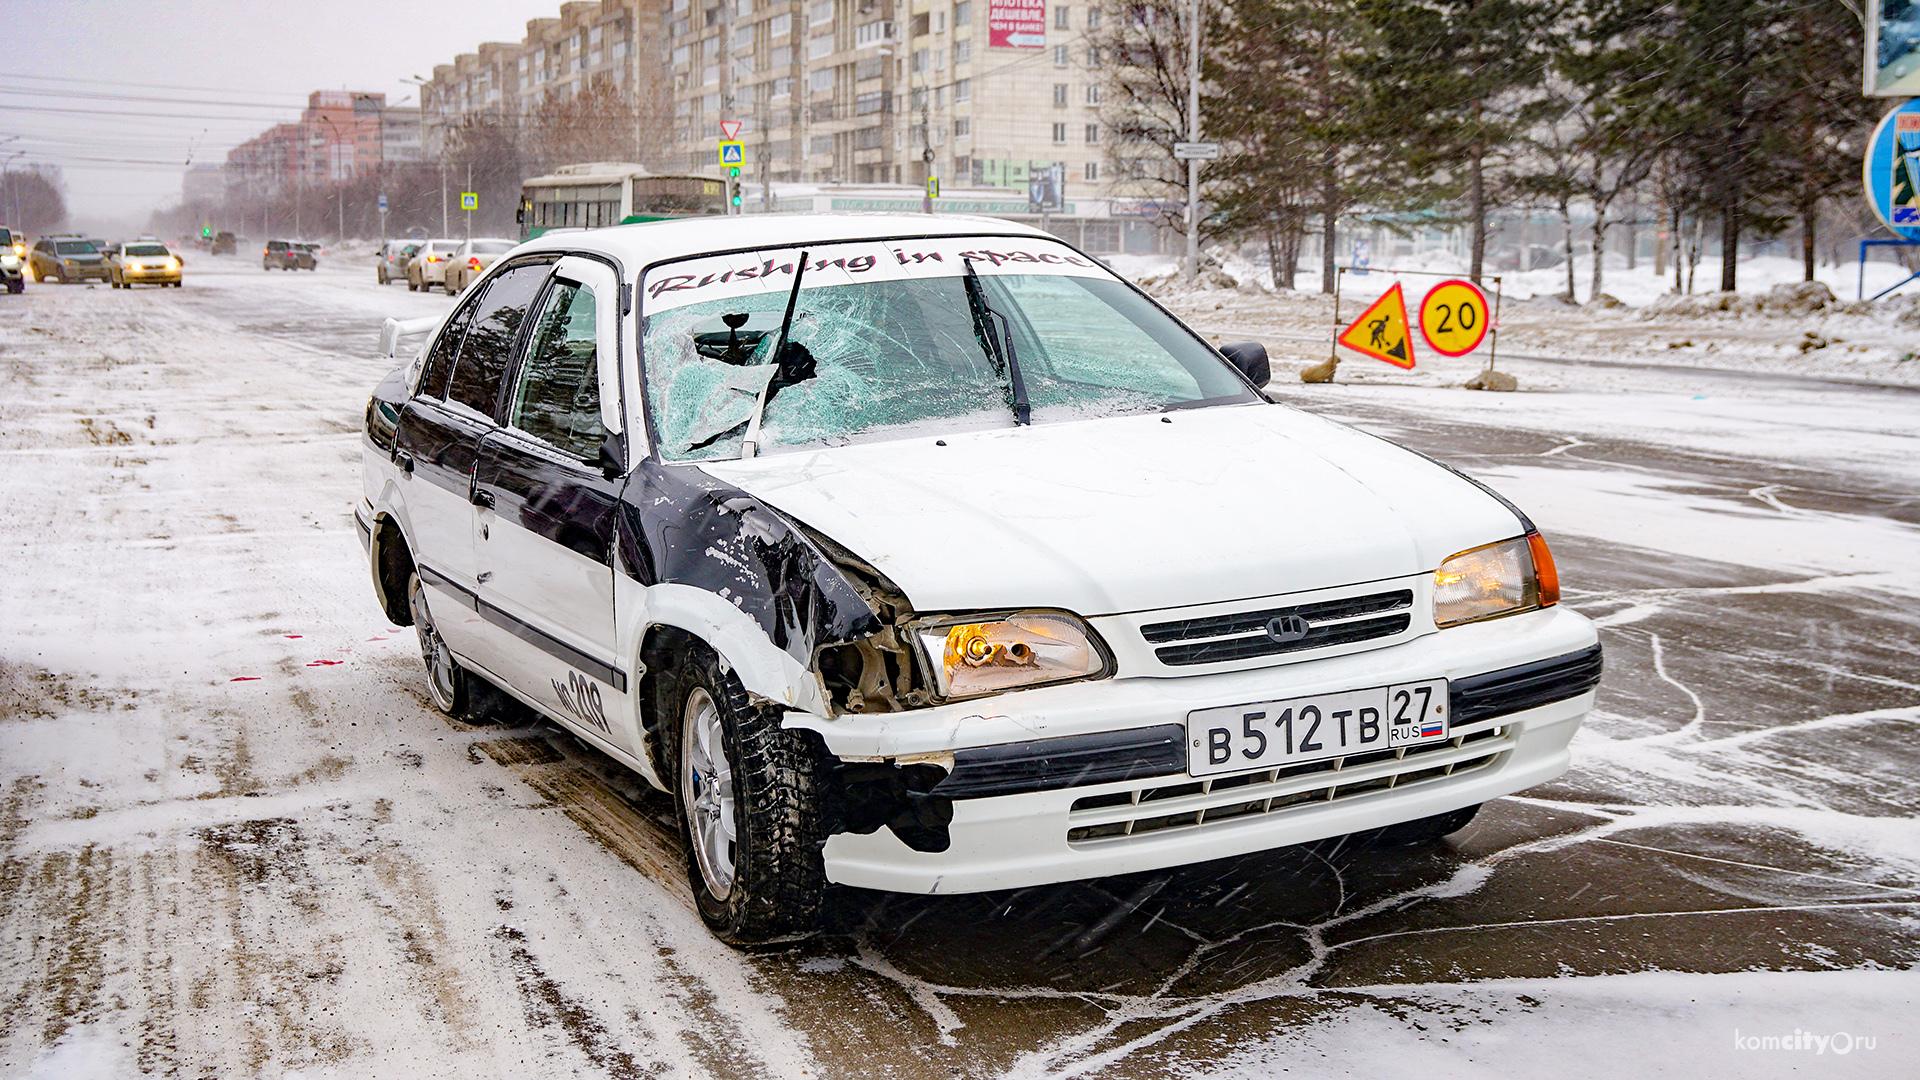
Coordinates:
(404,460)
(482,498)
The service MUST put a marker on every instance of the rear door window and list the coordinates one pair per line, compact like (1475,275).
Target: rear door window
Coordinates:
(488,346)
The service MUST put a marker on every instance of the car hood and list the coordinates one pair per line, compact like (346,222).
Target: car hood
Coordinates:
(1131,513)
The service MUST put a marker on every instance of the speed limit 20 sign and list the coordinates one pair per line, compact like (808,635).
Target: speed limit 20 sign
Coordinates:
(1454,317)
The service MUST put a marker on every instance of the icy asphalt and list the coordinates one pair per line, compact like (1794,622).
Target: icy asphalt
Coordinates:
(236,841)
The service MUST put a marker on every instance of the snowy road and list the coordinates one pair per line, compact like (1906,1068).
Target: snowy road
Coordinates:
(236,840)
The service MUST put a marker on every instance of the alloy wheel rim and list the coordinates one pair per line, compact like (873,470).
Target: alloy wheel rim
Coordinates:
(433,648)
(706,789)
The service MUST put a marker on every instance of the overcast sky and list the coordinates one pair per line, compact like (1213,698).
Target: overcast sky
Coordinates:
(81,79)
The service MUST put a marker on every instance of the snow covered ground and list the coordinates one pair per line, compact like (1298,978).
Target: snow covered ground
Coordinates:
(236,841)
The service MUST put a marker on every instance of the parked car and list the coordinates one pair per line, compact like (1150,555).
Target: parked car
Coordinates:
(142,262)
(429,265)
(391,263)
(13,272)
(286,255)
(928,555)
(224,243)
(470,259)
(67,258)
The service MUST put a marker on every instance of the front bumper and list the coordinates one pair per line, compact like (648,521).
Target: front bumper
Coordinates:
(82,273)
(1141,822)
(149,277)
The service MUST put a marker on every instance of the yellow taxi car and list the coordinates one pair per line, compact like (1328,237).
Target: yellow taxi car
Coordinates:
(142,262)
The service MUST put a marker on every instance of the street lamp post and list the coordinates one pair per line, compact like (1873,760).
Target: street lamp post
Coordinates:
(424,86)
(339,189)
(1193,135)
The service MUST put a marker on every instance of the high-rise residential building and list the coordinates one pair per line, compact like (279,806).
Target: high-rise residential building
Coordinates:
(340,135)
(980,93)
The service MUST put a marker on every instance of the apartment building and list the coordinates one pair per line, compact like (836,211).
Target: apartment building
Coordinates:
(612,43)
(340,135)
(827,92)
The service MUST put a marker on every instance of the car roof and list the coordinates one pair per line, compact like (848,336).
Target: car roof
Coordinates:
(650,242)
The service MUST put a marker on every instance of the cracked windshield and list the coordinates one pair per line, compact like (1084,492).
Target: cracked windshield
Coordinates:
(887,341)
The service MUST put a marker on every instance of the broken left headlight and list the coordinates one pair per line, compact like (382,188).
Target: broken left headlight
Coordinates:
(971,655)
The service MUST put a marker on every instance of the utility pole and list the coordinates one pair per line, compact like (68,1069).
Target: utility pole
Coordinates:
(926,155)
(463,200)
(1193,135)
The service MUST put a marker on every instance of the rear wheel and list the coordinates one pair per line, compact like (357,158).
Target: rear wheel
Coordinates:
(448,684)
(748,795)
(380,273)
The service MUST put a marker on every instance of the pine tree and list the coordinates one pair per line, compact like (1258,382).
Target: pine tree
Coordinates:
(1449,78)
(1290,112)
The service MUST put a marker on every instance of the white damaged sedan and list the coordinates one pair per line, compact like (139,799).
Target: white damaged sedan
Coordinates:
(925,554)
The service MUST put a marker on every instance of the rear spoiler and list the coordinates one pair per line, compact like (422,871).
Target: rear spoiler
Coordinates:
(393,330)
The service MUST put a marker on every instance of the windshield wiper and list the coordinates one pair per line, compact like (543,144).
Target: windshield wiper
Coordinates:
(999,348)
(750,445)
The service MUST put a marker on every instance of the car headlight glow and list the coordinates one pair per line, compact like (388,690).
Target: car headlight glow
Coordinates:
(10,260)
(973,655)
(1499,579)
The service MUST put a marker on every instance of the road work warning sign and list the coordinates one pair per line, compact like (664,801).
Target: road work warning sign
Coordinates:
(1381,331)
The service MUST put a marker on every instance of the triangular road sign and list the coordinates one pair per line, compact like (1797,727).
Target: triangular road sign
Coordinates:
(1381,330)
(730,129)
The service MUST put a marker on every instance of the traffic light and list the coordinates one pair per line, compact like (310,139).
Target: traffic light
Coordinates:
(206,230)
(733,182)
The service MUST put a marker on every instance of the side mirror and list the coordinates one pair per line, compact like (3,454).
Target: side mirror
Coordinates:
(611,461)
(1251,358)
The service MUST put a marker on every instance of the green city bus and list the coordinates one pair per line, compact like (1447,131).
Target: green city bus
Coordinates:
(597,194)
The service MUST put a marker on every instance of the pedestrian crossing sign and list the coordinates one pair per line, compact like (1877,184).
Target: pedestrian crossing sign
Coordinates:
(1381,330)
(469,200)
(733,152)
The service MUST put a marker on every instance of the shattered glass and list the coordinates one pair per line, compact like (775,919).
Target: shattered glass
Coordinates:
(903,356)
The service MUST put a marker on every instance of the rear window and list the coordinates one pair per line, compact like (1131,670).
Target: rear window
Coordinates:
(74,247)
(276,245)
(147,249)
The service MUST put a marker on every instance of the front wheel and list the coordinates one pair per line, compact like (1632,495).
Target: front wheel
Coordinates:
(748,796)
(447,682)
(381,275)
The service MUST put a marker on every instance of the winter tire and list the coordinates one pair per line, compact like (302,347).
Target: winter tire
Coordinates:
(748,796)
(448,684)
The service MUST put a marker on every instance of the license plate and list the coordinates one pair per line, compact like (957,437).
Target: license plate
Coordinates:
(1268,734)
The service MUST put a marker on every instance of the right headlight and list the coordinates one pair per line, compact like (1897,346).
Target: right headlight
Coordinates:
(1499,579)
(974,655)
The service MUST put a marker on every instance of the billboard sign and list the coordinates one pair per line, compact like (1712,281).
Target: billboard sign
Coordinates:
(1893,48)
(1017,24)
(1046,192)
(1891,171)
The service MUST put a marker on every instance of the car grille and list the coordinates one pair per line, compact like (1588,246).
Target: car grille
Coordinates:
(1194,804)
(1243,634)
